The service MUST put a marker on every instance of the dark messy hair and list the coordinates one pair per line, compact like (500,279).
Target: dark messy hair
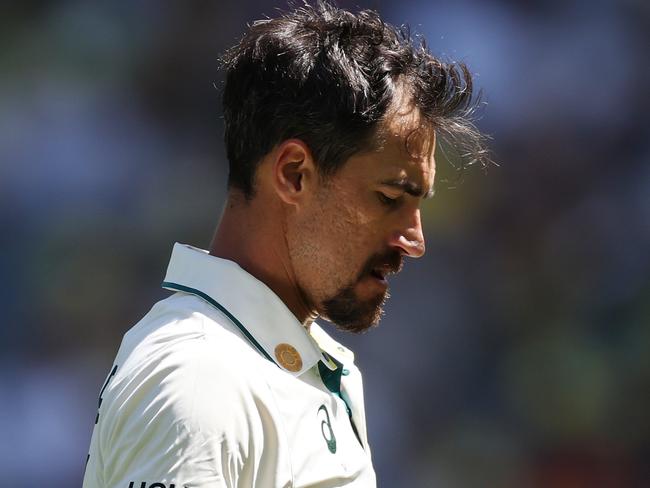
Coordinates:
(327,76)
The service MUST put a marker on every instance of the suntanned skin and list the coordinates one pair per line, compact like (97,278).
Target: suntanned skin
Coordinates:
(307,238)
(252,233)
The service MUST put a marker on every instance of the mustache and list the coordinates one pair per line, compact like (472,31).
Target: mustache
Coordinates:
(391,260)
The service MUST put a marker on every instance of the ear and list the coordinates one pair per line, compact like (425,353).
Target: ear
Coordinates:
(294,171)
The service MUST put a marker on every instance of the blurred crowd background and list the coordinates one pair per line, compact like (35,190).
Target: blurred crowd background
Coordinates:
(516,353)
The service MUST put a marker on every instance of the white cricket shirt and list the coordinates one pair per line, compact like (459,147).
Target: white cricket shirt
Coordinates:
(219,385)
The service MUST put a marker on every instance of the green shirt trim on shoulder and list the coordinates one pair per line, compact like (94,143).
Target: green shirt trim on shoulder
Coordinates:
(217,305)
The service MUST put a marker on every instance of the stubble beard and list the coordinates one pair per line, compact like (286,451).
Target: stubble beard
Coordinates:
(348,313)
(351,314)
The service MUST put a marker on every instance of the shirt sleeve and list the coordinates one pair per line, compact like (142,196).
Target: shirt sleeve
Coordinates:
(182,418)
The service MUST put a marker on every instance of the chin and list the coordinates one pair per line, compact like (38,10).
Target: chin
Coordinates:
(361,326)
(348,313)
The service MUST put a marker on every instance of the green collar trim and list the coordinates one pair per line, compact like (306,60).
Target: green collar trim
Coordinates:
(175,286)
(331,378)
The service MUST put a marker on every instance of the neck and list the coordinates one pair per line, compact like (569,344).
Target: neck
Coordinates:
(250,234)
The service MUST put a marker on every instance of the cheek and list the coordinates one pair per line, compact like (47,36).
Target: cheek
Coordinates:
(350,239)
(312,241)
(347,224)
(330,247)
(338,243)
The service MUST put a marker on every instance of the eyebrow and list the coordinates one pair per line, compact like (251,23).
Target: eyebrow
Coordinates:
(409,187)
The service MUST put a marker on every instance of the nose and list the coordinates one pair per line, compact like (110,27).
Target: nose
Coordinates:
(410,239)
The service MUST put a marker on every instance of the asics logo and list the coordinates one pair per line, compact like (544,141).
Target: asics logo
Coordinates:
(326,428)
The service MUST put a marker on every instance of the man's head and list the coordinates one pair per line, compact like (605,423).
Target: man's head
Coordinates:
(344,111)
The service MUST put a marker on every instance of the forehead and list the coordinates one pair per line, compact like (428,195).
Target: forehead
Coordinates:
(406,134)
(405,126)
(404,147)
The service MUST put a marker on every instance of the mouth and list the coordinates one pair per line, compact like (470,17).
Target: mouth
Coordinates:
(378,275)
(381,274)
(381,266)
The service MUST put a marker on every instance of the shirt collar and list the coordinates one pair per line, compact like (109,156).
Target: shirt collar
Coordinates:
(252,306)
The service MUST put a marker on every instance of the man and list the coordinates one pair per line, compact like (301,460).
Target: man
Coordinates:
(331,122)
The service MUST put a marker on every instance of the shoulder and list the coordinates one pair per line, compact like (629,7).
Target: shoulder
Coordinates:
(187,331)
(183,400)
(182,363)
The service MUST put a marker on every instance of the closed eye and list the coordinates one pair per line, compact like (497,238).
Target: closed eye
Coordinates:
(388,201)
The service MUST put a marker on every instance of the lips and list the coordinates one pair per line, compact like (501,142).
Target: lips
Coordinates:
(381,266)
(379,274)
(382,272)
